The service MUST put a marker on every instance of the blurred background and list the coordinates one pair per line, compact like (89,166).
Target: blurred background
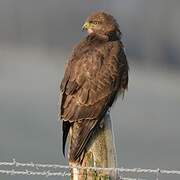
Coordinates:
(36,38)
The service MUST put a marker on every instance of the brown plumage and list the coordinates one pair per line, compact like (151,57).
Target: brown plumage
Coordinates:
(95,73)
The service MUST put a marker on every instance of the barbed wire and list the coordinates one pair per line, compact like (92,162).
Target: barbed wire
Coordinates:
(47,173)
(32,173)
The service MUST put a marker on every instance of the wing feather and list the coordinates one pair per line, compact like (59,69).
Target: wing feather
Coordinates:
(90,85)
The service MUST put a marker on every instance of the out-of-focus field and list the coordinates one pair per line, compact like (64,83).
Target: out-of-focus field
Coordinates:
(146,123)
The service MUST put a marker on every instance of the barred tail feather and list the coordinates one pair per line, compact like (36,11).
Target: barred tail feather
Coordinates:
(66,127)
(81,133)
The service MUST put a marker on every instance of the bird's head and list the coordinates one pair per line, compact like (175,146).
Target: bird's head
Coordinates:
(101,23)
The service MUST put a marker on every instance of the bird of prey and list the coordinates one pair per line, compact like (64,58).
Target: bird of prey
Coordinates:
(96,71)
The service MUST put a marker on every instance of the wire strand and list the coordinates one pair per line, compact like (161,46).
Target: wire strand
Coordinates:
(47,173)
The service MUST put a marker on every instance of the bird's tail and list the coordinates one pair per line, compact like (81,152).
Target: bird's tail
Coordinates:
(66,128)
(80,135)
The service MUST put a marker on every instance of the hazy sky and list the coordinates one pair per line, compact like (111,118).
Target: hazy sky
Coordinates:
(150,29)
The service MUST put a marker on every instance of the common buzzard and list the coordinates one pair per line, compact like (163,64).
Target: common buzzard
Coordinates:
(95,73)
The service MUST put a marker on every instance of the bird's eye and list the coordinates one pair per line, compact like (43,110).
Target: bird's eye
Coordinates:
(96,22)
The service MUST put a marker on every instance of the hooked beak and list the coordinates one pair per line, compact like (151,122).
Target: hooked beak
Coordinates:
(86,26)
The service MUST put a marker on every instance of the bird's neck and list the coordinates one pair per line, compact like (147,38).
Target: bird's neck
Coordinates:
(94,37)
(114,36)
